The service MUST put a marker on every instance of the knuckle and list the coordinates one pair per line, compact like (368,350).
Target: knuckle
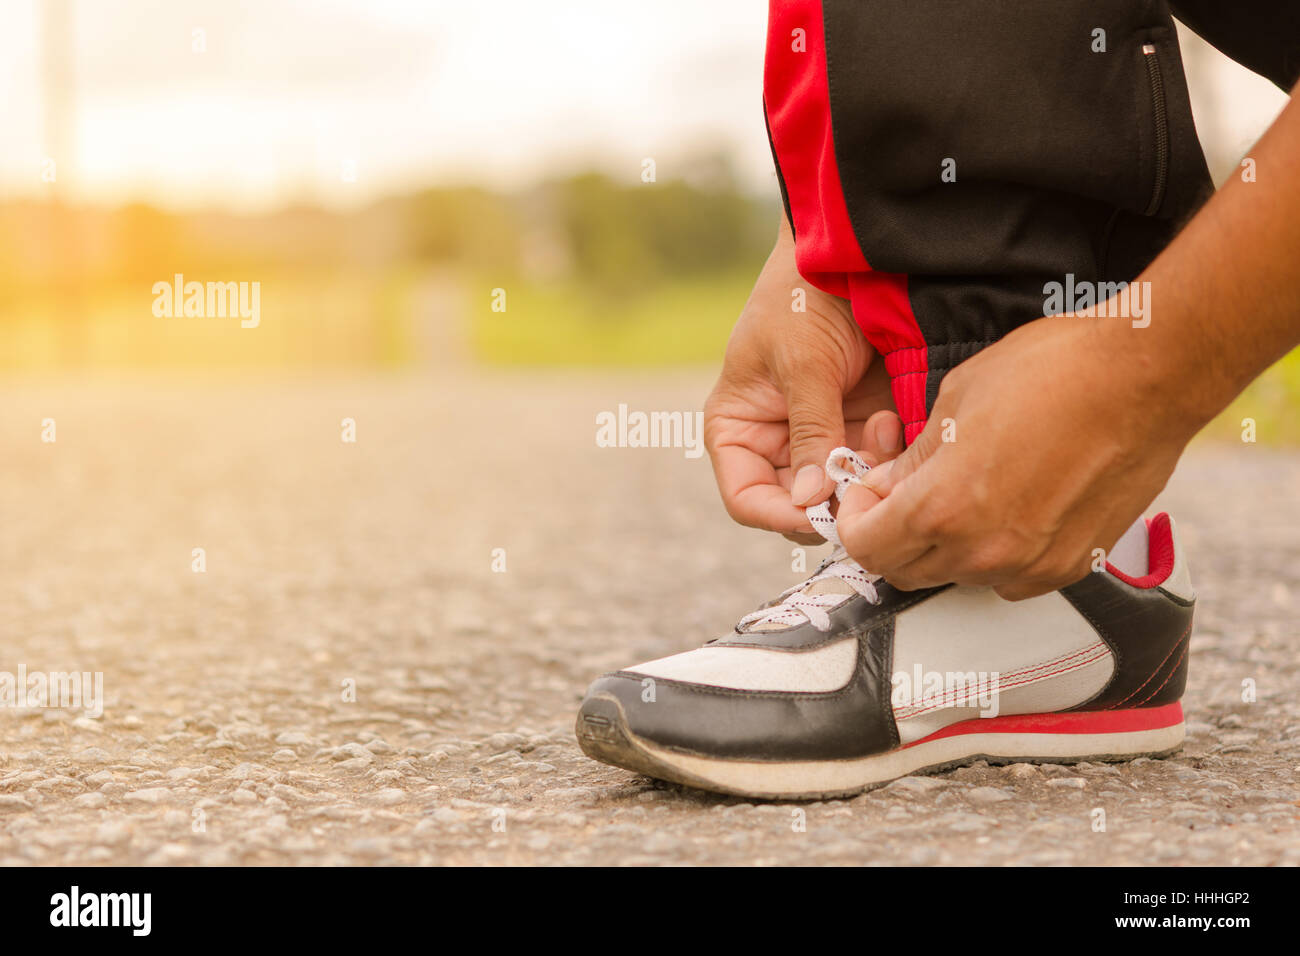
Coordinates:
(1014,592)
(737,513)
(1057,572)
(807,431)
(1037,579)
(904,582)
(938,518)
(863,555)
(986,564)
(808,356)
(711,404)
(713,432)
(711,429)
(951,383)
(999,555)
(982,495)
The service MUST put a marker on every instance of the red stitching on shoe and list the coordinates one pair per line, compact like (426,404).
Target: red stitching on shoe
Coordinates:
(1008,685)
(1169,676)
(1019,678)
(1138,689)
(1031,673)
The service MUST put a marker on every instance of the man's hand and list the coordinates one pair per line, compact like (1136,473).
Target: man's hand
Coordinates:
(794,386)
(1064,431)
(1042,447)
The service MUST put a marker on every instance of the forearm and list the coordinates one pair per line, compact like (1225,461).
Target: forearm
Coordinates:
(1225,295)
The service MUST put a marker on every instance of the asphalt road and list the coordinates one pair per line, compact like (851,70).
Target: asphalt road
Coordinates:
(349,680)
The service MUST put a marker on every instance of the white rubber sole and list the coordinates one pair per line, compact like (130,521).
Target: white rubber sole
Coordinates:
(1045,738)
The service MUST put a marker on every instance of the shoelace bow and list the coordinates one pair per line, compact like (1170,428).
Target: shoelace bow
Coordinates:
(795,605)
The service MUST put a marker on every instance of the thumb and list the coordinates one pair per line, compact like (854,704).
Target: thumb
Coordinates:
(883,479)
(815,408)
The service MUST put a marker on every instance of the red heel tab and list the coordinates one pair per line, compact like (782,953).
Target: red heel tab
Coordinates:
(1160,555)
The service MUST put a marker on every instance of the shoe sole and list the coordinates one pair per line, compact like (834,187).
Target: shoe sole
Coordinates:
(1108,736)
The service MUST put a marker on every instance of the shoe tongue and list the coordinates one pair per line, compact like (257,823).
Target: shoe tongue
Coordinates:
(830,584)
(824,523)
(827,585)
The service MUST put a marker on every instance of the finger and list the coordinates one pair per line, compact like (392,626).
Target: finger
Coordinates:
(810,540)
(880,534)
(882,437)
(883,480)
(931,569)
(1041,577)
(918,573)
(1022,590)
(767,506)
(752,491)
(815,407)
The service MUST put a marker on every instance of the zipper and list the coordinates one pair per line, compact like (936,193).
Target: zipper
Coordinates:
(1161,116)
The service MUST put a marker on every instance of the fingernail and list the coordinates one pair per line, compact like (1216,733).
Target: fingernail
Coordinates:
(807,483)
(889,434)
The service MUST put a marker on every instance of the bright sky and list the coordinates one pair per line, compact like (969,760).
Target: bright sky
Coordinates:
(288,93)
(501,91)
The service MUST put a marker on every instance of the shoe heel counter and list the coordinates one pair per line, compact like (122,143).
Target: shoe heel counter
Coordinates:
(1179,582)
(1178,586)
(1148,631)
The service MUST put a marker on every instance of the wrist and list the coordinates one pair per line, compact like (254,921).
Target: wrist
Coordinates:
(784,233)
(1156,372)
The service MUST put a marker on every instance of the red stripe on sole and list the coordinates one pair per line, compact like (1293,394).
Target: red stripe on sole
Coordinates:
(1077,722)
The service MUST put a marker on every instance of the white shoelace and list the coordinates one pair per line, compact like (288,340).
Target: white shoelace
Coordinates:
(796,604)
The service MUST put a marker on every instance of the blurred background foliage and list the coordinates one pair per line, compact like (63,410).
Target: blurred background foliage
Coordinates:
(595,272)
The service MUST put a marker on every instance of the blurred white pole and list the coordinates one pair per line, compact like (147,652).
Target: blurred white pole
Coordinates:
(57,52)
(58,89)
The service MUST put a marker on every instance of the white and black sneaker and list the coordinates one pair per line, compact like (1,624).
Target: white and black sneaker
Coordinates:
(845,683)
